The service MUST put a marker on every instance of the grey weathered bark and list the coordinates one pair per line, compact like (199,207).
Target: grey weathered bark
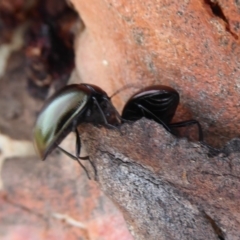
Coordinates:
(167,188)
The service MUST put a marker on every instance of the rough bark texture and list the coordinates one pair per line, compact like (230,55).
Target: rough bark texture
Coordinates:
(167,188)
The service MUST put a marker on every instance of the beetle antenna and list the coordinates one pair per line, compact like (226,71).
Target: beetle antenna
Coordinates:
(130,85)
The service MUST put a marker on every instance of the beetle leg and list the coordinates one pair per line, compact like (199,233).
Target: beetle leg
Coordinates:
(102,113)
(118,116)
(212,152)
(188,123)
(154,116)
(74,158)
(78,145)
(78,149)
(117,113)
(100,110)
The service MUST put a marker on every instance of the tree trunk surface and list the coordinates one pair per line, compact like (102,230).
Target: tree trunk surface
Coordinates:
(167,188)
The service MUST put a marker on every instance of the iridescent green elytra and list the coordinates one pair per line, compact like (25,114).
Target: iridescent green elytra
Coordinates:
(66,109)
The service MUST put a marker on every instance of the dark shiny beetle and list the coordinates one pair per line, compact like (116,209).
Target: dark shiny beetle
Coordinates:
(65,110)
(158,103)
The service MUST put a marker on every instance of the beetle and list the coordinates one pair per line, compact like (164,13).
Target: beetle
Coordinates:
(158,103)
(65,110)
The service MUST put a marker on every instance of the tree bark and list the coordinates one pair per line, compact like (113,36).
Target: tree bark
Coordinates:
(167,188)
